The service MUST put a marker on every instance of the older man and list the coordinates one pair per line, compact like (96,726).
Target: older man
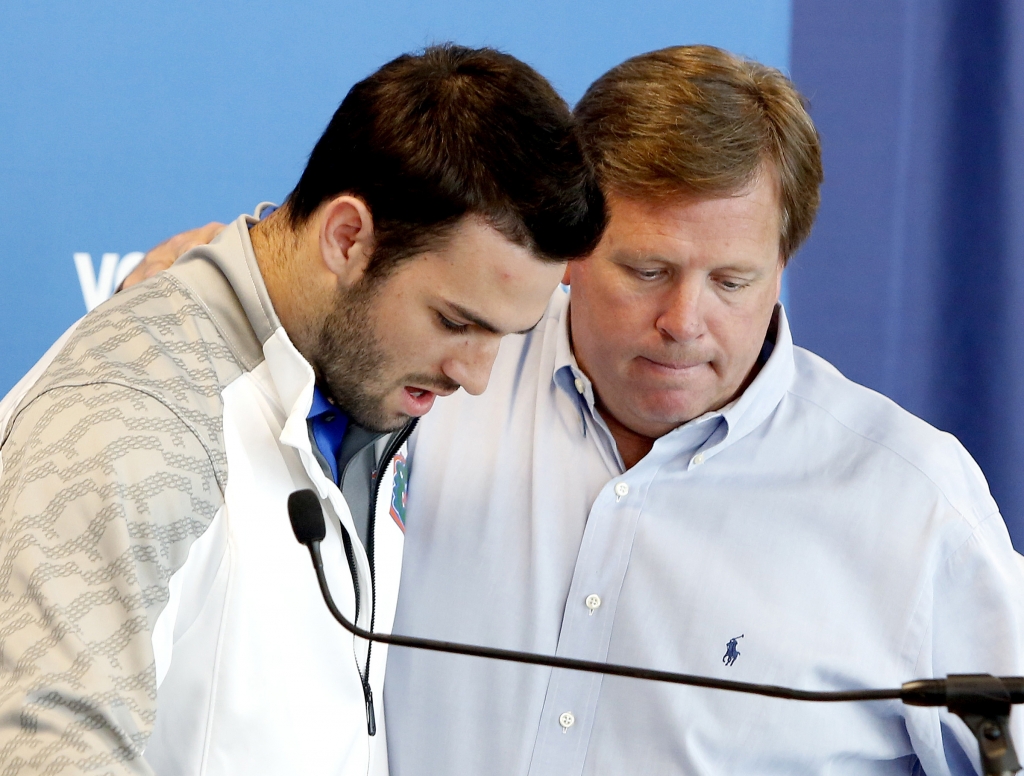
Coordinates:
(156,614)
(658,477)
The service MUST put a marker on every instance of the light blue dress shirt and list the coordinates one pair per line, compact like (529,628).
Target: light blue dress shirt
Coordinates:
(810,534)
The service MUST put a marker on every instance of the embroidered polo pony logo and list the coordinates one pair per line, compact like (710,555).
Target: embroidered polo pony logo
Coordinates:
(400,492)
(731,651)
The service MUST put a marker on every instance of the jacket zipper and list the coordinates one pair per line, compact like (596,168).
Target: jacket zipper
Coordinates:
(385,460)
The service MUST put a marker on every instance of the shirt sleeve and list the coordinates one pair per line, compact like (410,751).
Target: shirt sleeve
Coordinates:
(103,489)
(975,611)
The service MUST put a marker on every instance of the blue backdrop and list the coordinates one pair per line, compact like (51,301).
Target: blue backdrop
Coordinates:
(913,280)
(122,123)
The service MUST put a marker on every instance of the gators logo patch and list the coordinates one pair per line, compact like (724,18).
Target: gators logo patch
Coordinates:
(400,493)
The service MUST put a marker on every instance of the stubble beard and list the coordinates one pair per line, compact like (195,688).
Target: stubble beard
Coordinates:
(352,361)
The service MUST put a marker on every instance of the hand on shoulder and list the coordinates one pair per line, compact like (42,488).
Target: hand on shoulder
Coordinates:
(166,253)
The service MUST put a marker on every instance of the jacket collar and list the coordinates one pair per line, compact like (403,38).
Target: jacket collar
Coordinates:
(246,313)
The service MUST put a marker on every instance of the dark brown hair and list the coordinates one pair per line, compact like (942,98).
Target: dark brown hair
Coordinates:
(699,121)
(454,131)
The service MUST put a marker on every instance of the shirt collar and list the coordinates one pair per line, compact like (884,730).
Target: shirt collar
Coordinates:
(320,404)
(328,426)
(741,416)
(767,389)
(567,376)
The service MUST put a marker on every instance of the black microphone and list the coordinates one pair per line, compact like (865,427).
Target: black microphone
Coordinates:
(307,517)
(983,701)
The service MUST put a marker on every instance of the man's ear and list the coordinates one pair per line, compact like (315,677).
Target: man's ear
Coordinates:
(346,238)
(567,275)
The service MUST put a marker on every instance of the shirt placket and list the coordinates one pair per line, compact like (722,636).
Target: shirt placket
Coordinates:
(571,700)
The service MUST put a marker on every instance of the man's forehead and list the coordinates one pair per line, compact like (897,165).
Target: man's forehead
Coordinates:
(485,279)
(662,231)
(663,198)
(762,190)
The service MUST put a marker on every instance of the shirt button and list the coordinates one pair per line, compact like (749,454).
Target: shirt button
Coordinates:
(329,418)
(698,459)
(593,601)
(567,720)
(579,385)
(621,489)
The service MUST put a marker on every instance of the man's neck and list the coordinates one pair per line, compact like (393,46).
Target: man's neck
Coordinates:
(282,256)
(632,446)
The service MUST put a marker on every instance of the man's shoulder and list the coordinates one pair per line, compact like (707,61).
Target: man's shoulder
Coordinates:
(154,344)
(860,409)
(157,337)
(890,436)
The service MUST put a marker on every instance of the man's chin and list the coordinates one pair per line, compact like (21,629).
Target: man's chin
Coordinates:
(657,418)
(397,411)
(383,425)
(381,419)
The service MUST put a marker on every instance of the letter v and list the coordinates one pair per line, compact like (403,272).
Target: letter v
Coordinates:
(96,290)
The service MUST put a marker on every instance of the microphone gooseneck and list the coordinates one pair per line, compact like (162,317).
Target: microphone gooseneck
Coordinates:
(981,700)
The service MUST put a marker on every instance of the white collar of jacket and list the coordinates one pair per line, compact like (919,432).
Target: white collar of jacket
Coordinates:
(293,377)
(734,421)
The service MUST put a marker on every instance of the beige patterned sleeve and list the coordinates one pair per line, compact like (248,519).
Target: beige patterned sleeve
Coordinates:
(103,489)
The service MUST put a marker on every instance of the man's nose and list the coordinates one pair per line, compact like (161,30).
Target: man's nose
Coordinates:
(470,363)
(681,317)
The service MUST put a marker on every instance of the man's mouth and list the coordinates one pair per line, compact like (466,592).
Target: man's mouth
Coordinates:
(674,365)
(418,396)
(417,401)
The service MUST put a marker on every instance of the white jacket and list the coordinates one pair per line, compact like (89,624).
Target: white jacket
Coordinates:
(156,612)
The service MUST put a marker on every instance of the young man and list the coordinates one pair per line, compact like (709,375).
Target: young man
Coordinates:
(156,615)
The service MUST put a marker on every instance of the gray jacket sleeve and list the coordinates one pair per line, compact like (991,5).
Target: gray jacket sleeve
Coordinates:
(102,492)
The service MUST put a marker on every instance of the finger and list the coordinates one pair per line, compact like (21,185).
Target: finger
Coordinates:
(211,230)
(162,256)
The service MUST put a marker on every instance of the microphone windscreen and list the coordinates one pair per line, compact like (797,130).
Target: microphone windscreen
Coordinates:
(307,516)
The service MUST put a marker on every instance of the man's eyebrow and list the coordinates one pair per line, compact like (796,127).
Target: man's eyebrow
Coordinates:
(469,315)
(627,257)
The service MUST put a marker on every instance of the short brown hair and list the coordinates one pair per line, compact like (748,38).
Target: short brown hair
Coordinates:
(432,137)
(697,120)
